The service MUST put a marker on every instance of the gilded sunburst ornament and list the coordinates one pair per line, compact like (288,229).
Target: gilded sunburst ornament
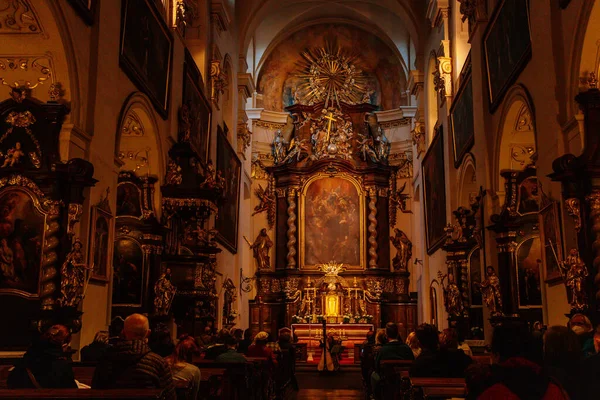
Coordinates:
(331,75)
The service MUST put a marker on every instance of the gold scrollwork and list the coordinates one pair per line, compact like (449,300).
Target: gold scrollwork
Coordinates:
(574,210)
(74,215)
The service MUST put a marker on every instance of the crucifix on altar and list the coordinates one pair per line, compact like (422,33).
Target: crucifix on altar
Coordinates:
(331,119)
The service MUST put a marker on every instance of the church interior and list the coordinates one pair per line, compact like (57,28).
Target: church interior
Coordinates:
(348,179)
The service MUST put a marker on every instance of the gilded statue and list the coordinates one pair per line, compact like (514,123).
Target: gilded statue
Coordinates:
(298,150)
(490,290)
(576,274)
(365,147)
(13,156)
(452,297)
(362,307)
(304,307)
(382,145)
(279,147)
(267,200)
(72,276)
(399,198)
(403,247)
(164,292)
(210,177)
(261,246)
(173,176)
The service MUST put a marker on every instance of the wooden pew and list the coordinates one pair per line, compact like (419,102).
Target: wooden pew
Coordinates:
(439,392)
(63,394)
(438,388)
(483,359)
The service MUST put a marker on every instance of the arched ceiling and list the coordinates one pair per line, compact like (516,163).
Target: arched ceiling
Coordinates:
(265,22)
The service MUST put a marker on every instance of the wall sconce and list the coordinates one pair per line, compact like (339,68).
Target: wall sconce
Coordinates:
(246,285)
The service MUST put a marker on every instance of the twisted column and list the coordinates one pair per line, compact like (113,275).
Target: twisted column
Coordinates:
(372,228)
(594,201)
(291,232)
(464,287)
(49,270)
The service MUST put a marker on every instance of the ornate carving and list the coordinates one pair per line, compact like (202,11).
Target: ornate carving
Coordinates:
(397,201)
(173,176)
(404,161)
(574,210)
(374,289)
(452,296)
(74,215)
(267,125)
(491,292)
(18,16)
(418,136)
(25,72)
(56,91)
(443,79)
(474,11)
(72,277)
(403,247)
(524,122)
(164,293)
(376,145)
(372,228)
(132,126)
(261,246)
(218,81)
(267,202)
(395,123)
(331,135)
(576,273)
(244,137)
(258,168)
(291,233)
(13,155)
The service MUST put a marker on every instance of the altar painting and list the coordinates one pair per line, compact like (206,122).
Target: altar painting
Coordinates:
(21,242)
(128,273)
(333,222)
(529,253)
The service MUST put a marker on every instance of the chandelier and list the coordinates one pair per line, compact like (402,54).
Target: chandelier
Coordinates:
(330,74)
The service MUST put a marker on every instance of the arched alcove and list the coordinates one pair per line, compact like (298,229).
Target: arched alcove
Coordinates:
(468,188)
(516,137)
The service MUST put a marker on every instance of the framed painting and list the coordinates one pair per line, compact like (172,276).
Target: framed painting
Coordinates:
(86,9)
(528,272)
(461,120)
(197,129)
(22,227)
(230,167)
(146,50)
(128,273)
(332,228)
(129,200)
(476,297)
(507,47)
(101,231)
(434,192)
(550,236)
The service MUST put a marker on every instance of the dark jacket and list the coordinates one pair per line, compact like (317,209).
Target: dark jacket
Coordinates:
(49,365)
(130,364)
(393,351)
(243,345)
(589,380)
(441,364)
(212,352)
(93,352)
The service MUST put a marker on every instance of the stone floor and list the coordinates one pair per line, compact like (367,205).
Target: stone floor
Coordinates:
(344,385)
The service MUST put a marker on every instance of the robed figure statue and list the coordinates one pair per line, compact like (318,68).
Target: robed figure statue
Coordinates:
(490,289)
(261,246)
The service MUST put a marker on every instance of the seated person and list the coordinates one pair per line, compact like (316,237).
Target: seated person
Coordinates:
(259,348)
(514,375)
(130,363)
(230,355)
(213,350)
(393,349)
(414,344)
(94,351)
(367,360)
(160,341)
(46,363)
(433,362)
(181,365)
(245,342)
(286,345)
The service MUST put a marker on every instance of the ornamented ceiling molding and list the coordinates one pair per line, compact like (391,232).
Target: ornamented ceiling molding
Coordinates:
(220,15)
(404,159)
(18,17)
(132,127)
(524,122)
(267,125)
(395,123)
(26,71)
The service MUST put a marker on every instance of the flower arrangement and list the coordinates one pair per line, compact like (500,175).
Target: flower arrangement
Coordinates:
(347,318)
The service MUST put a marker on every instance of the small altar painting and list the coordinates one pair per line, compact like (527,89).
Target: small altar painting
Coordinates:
(332,222)
(129,200)
(528,271)
(128,273)
(434,183)
(21,239)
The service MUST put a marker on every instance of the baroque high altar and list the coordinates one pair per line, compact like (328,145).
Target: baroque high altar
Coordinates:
(330,249)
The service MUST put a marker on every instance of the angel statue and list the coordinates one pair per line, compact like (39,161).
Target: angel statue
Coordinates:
(399,199)
(452,297)
(164,293)
(279,148)
(365,147)
(298,150)
(261,246)
(267,200)
(576,273)
(210,178)
(72,276)
(490,290)
(403,250)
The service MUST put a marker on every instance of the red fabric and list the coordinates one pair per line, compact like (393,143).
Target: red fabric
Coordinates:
(261,351)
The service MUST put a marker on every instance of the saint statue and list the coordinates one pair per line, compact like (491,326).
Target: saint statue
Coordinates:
(362,307)
(173,176)
(403,250)
(490,290)
(210,179)
(279,151)
(72,276)
(164,292)
(576,274)
(261,247)
(452,297)
(304,307)
(383,145)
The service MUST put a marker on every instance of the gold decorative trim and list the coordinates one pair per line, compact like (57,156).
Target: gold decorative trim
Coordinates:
(574,210)
(188,202)
(19,17)
(267,125)
(395,123)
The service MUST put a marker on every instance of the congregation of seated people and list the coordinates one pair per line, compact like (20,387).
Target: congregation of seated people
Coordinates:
(140,358)
(561,362)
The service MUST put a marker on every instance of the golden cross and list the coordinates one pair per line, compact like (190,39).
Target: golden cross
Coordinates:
(331,119)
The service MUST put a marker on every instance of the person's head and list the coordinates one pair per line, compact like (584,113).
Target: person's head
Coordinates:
(285,335)
(207,330)
(227,338)
(412,341)
(449,339)
(136,327)
(391,331)
(371,337)
(427,335)
(58,335)
(116,327)
(223,334)
(580,324)
(561,347)
(381,337)
(161,341)
(511,340)
(248,334)
(101,337)
(186,348)
(261,339)
(238,334)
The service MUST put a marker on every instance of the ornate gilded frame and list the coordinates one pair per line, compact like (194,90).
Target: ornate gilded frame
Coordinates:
(552,211)
(99,212)
(362,193)
(134,238)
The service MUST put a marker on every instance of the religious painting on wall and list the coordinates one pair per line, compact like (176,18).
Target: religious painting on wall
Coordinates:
(550,236)
(230,167)
(129,200)
(507,46)
(332,214)
(196,112)
(529,197)
(86,9)
(475,277)
(102,229)
(146,51)
(128,273)
(528,272)
(434,188)
(461,119)
(21,241)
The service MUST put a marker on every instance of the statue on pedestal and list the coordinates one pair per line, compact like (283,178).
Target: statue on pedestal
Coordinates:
(452,297)
(72,276)
(576,273)
(279,147)
(403,250)
(261,247)
(164,292)
(490,290)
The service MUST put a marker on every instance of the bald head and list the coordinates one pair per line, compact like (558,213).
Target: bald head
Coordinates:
(136,327)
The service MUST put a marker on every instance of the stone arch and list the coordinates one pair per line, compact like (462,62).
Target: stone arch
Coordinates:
(467,182)
(515,143)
